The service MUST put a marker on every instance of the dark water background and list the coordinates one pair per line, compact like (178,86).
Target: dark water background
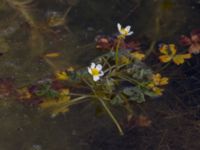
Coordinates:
(21,62)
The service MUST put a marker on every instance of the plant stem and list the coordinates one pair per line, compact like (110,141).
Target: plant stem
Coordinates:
(112,117)
(76,100)
(131,80)
(77,94)
(106,108)
(114,67)
(117,51)
(54,67)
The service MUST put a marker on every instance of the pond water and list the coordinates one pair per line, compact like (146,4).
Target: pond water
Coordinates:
(29,29)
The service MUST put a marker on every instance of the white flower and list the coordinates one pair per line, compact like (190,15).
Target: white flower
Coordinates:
(96,71)
(124,31)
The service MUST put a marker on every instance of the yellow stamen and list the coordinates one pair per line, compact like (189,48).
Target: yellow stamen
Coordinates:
(124,31)
(95,72)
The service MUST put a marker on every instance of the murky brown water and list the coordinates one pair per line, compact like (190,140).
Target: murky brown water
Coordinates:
(22,48)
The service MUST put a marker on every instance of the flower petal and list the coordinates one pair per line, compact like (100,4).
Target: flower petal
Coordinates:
(92,65)
(99,67)
(128,28)
(130,33)
(164,49)
(101,73)
(165,58)
(96,78)
(172,49)
(89,70)
(119,27)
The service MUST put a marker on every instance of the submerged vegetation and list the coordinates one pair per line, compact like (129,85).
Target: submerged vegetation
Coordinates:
(120,77)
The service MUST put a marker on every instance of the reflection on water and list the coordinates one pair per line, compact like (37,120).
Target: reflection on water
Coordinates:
(29,29)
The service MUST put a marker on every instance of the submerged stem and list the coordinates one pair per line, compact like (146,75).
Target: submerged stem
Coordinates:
(131,80)
(106,108)
(50,63)
(112,117)
(77,100)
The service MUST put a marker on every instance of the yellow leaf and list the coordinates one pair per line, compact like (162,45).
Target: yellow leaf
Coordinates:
(124,60)
(164,49)
(63,99)
(70,69)
(164,81)
(172,49)
(151,85)
(157,90)
(57,106)
(165,58)
(158,80)
(24,93)
(64,92)
(52,55)
(61,75)
(138,55)
(180,59)
(169,52)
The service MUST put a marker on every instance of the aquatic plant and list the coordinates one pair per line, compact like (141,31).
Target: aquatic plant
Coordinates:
(96,71)
(169,53)
(123,33)
(192,41)
(119,77)
(55,19)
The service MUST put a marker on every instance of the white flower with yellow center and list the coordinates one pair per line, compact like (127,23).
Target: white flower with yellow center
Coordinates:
(124,31)
(96,71)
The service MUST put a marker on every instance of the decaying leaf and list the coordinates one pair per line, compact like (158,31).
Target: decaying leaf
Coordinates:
(52,55)
(192,41)
(61,75)
(58,105)
(24,93)
(124,60)
(138,55)
(138,121)
(142,121)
